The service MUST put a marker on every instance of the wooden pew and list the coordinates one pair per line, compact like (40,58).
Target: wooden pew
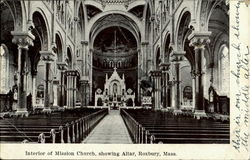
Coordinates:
(157,127)
(69,126)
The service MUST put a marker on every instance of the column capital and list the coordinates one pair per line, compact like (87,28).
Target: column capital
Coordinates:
(152,18)
(176,63)
(164,66)
(47,56)
(176,56)
(144,43)
(76,19)
(72,73)
(155,73)
(199,39)
(83,42)
(23,39)
(62,66)
(193,73)
(56,81)
(84,82)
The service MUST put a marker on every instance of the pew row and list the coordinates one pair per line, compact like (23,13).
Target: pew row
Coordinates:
(156,127)
(61,127)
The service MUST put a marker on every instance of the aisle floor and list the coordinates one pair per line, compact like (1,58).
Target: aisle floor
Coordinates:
(111,130)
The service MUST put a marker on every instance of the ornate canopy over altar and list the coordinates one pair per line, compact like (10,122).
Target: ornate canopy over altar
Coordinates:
(115,93)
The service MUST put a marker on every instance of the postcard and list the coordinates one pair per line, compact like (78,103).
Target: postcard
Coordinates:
(124,79)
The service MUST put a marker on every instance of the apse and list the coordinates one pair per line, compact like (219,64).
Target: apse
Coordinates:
(115,47)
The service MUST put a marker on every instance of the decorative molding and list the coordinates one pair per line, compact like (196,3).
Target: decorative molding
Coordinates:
(62,66)
(83,42)
(144,43)
(177,56)
(23,39)
(47,56)
(199,39)
(72,73)
(164,66)
(155,73)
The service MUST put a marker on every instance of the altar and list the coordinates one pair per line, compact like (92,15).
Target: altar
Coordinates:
(115,93)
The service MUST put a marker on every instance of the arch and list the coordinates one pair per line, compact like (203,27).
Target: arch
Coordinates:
(81,12)
(4,71)
(223,72)
(59,49)
(182,12)
(99,102)
(40,91)
(17,9)
(150,6)
(157,58)
(166,46)
(147,15)
(114,25)
(34,51)
(135,4)
(42,28)
(94,3)
(183,29)
(204,10)
(69,58)
(129,102)
(102,15)
(189,53)
(187,95)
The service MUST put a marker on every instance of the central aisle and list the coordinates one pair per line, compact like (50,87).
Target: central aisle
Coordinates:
(111,129)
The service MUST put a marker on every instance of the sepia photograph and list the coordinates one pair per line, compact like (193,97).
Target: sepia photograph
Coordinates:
(116,72)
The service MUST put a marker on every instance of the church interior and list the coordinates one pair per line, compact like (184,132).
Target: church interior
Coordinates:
(114,71)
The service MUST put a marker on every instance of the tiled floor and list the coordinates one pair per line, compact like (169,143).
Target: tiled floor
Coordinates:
(111,130)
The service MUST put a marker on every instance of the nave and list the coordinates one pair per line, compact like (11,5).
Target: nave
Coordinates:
(65,65)
(104,126)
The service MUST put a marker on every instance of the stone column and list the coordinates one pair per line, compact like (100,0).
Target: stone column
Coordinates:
(144,46)
(83,90)
(48,57)
(4,71)
(85,57)
(71,88)
(176,57)
(164,68)
(193,87)
(150,57)
(90,62)
(55,92)
(168,90)
(173,94)
(139,76)
(87,93)
(23,41)
(156,76)
(62,67)
(177,84)
(198,40)
(34,74)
